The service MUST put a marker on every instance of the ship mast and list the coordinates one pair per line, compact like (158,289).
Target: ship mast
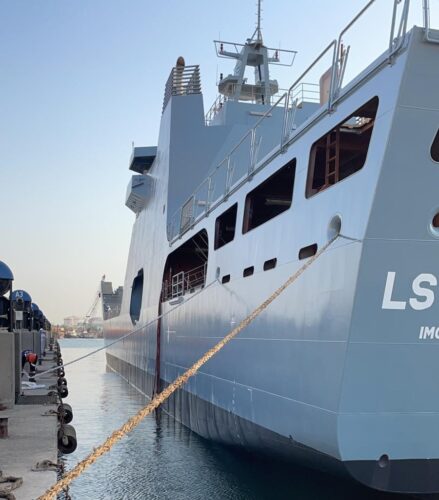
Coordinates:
(258,28)
(252,54)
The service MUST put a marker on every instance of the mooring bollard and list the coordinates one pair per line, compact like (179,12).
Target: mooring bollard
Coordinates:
(4,427)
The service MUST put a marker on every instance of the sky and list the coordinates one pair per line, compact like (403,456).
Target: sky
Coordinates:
(80,81)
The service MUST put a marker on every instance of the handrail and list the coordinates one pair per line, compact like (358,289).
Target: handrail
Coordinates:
(338,66)
(182,80)
(426,12)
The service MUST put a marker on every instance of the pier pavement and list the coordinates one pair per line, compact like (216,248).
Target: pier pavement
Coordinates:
(32,436)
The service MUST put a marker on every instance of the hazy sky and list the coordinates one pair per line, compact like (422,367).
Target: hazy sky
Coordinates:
(79,81)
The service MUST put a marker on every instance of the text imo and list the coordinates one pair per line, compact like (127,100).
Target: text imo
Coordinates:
(422,288)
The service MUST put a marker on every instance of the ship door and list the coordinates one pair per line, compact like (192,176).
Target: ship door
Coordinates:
(184,273)
(157,385)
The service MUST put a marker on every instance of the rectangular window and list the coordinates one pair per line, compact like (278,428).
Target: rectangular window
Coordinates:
(270,198)
(342,151)
(225,227)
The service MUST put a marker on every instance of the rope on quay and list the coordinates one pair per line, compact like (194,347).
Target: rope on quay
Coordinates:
(106,346)
(134,421)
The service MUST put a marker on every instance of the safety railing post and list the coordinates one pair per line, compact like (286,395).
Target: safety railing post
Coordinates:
(427,25)
(194,207)
(334,72)
(209,195)
(252,151)
(285,120)
(228,177)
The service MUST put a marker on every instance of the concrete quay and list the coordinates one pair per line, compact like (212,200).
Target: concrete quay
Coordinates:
(32,431)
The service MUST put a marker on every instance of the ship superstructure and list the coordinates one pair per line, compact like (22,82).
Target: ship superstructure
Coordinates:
(339,371)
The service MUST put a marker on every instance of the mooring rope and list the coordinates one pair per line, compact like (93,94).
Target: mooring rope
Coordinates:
(106,346)
(134,421)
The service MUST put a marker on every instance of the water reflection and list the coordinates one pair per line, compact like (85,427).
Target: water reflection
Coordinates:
(161,459)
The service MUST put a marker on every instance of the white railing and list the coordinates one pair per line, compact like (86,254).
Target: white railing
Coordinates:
(184,281)
(248,156)
(427,21)
(253,98)
(215,108)
(183,80)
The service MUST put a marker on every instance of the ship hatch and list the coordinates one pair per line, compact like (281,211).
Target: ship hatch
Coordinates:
(136,297)
(185,269)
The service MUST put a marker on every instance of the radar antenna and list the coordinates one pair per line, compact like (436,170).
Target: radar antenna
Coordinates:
(258,27)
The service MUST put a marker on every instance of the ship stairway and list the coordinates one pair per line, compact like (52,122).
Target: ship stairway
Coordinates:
(332,169)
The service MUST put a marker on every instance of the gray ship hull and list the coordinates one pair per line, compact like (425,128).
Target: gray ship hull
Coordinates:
(405,476)
(338,373)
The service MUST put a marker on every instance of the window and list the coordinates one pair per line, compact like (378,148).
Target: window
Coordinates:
(435,148)
(342,151)
(225,227)
(270,198)
(225,279)
(136,297)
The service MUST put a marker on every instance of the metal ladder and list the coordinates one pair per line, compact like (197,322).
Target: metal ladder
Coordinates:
(332,168)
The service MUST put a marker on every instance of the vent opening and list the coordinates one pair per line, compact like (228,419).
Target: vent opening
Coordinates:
(270,264)
(435,148)
(248,271)
(309,251)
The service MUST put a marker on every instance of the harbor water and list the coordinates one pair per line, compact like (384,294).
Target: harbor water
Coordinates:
(161,459)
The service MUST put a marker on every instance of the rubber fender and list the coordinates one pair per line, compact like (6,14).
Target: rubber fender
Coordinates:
(65,413)
(62,381)
(63,391)
(67,442)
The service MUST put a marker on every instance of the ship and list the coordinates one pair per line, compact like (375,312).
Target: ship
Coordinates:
(340,371)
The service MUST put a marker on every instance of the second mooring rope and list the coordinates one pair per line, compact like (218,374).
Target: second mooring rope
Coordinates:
(134,421)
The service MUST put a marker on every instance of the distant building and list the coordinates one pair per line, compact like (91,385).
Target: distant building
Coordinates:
(72,321)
